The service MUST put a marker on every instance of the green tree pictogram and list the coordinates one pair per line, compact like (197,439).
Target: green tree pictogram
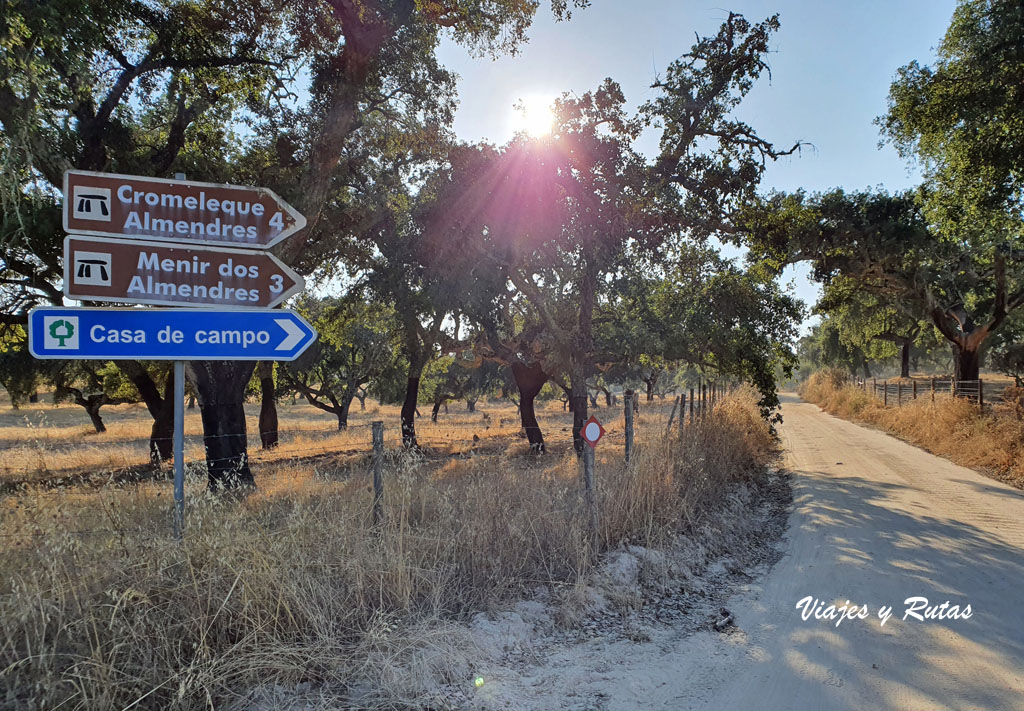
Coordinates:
(62,330)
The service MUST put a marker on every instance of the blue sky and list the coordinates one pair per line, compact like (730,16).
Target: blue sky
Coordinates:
(832,63)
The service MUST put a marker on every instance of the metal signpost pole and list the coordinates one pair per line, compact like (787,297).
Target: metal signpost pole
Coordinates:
(179,449)
(179,435)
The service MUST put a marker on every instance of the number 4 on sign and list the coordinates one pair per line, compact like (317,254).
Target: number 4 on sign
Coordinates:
(592,431)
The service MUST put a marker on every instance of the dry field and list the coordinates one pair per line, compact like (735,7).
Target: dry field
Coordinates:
(102,609)
(992,441)
(42,442)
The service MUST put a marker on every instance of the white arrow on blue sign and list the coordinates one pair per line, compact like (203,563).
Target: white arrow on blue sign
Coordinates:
(167,334)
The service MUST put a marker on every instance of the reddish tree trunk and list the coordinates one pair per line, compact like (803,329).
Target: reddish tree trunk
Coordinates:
(161,436)
(221,387)
(412,390)
(966,363)
(268,406)
(530,380)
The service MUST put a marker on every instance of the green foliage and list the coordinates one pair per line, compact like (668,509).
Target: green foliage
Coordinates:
(355,345)
(701,310)
(886,244)
(962,117)
(19,371)
(714,158)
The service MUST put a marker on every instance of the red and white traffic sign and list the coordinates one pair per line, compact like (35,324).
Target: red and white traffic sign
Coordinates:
(592,431)
(133,206)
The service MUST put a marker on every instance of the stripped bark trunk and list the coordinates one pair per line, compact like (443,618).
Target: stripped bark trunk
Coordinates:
(268,405)
(409,412)
(162,432)
(221,388)
(530,379)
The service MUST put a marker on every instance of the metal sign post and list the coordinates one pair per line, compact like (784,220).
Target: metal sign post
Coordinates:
(591,432)
(179,449)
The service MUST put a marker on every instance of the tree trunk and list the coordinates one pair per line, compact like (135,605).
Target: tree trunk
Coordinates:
(160,408)
(966,363)
(161,436)
(92,406)
(593,400)
(578,398)
(905,360)
(191,402)
(529,381)
(221,388)
(471,405)
(342,411)
(867,369)
(435,410)
(268,405)
(412,390)
(582,347)
(650,387)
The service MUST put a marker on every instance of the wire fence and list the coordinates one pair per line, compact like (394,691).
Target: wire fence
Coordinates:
(899,392)
(317,455)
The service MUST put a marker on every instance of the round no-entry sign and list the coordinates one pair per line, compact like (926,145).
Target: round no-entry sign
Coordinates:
(592,431)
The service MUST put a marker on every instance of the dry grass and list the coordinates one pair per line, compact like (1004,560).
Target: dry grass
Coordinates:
(40,441)
(992,441)
(102,610)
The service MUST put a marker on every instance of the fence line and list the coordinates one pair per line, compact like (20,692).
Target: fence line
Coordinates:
(77,482)
(898,392)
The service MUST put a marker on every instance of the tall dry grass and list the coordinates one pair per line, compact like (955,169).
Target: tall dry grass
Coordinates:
(951,427)
(295,585)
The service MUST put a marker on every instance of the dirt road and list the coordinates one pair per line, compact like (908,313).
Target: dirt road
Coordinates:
(877,521)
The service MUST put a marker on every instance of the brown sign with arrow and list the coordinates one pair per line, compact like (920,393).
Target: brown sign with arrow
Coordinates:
(132,271)
(137,207)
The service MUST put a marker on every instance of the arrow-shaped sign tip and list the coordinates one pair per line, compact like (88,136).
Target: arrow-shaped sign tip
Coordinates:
(295,334)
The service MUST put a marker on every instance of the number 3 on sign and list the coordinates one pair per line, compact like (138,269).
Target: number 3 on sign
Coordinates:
(276,284)
(277,221)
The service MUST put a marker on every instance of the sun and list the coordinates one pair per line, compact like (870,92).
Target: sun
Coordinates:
(533,115)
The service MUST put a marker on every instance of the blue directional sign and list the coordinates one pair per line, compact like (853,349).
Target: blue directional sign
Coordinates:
(168,334)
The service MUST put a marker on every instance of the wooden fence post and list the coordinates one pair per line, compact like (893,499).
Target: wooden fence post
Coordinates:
(915,389)
(628,399)
(885,393)
(378,463)
(874,387)
(899,393)
(952,387)
(981,396)
(691,406)
(672,416)
(682,411)
(933,389)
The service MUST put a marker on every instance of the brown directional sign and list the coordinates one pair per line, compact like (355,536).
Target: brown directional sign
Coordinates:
(136,207)
(137,272)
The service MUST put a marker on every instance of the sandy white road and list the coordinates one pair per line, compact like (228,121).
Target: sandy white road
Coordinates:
(876,521)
